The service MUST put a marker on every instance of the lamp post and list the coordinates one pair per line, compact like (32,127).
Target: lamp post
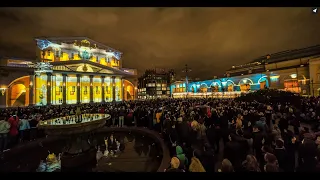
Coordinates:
(312,87)
(186,70)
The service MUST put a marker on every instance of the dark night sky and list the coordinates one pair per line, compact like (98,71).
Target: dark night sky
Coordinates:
(209,40)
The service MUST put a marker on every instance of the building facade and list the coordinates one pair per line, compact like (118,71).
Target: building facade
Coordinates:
(294,70)
(66,71)
(155,83)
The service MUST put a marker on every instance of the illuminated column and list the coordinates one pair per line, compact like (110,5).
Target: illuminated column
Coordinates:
(122,87)
(31,90)
(78,88)
(102,89)
(91,88)
(113,82)
(49,88)
(64,89)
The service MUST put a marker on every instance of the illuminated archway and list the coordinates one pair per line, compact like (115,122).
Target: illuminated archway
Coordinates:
(18,92)
(129,90)
(229,85)
(203,87)
(263,81)
(245,84)
(215,86)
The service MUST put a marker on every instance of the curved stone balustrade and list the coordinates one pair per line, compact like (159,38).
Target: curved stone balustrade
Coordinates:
(68,125)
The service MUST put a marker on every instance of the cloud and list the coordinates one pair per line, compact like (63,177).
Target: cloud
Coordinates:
(209,40)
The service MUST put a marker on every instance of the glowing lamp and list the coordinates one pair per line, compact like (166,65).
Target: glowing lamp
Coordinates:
(90,84)
(293,76)
(224,83)
(49,84)
(245,81)
(78,84)
(31,84)
(2,91)
(64,84)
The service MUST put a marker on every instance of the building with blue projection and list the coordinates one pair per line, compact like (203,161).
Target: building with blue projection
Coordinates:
(293,70)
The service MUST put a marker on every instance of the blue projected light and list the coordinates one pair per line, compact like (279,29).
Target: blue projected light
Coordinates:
(117,55)
(43,44)
(85,55)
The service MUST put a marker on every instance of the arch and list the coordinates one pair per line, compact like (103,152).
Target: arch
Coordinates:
(263,82)
(263,77)
(18,92)
(18,79)
(203,87)
(214,83)
(230,82)
(129,90)
(248,81)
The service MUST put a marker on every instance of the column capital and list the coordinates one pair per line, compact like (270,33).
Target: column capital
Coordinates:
(78,75)
(91,76)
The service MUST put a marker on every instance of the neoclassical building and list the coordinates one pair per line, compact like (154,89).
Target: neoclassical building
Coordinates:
(66,71)
(295,70)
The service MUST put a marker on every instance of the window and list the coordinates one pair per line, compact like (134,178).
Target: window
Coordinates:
(159,92)
(60,88)
(151,85)
(164,88)
(158,88)
(57,54)
(158,85)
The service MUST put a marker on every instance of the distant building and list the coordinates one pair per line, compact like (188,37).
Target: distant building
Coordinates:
(295,70)
(155,83)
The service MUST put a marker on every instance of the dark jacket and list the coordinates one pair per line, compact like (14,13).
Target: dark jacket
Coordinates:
(281,155)
(233,151)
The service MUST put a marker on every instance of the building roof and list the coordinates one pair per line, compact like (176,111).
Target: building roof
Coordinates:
(290,54)
(76,38)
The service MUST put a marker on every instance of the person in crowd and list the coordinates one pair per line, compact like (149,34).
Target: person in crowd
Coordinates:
(24,128)
(182,157)
(196,166)
(13,132)
(251,164)
(122,114)
(226,166)
(33,128)
(281,154)
(4,130)
(247,129)
(174,165)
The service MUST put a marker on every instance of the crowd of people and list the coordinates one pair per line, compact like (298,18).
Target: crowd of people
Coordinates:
(204,135)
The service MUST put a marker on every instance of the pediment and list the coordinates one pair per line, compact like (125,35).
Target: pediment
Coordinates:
(87,66)
(84,67)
